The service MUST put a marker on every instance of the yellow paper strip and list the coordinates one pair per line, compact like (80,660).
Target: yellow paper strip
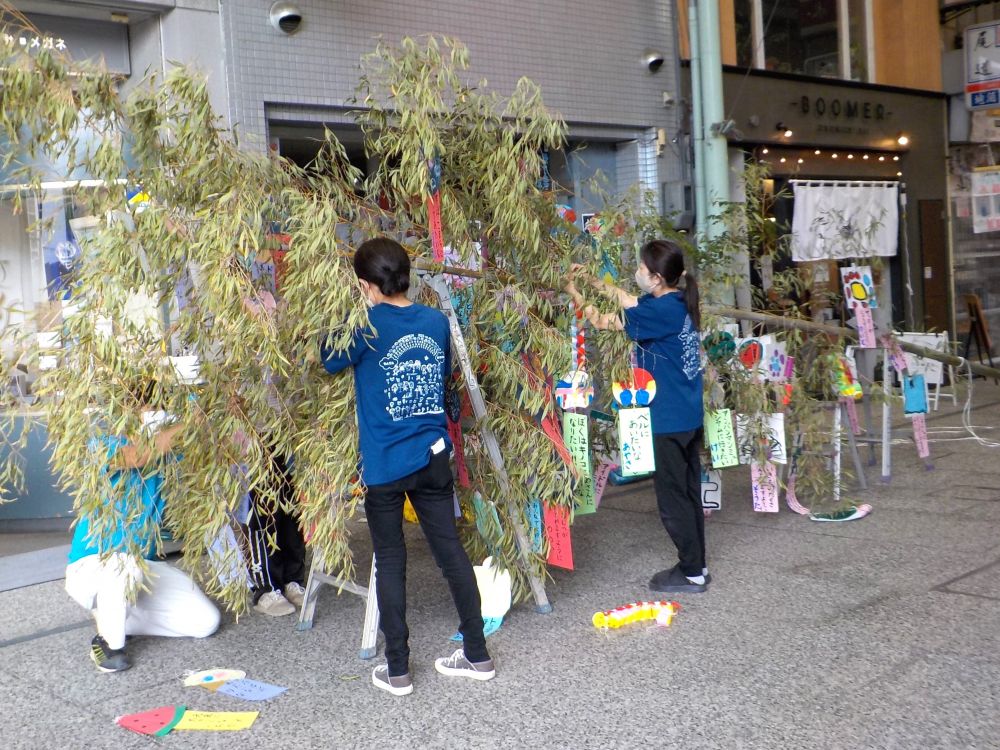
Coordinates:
(217,721)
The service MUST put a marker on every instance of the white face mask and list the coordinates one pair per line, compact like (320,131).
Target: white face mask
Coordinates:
(645,283)
(366,294)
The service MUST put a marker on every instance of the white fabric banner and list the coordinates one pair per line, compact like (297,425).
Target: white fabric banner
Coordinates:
(834,221)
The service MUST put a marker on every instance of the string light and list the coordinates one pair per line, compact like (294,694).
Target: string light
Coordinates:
(895,158)
(817,152)
(865,157)
(850,156)
(802,161)
(899,174)
(833,156)
(782,160)
(764,151)
(881,158)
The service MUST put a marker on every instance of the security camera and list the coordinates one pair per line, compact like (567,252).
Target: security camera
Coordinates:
(286,17)
(652,59)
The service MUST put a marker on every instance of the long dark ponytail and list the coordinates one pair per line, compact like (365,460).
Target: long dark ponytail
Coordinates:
(666,260)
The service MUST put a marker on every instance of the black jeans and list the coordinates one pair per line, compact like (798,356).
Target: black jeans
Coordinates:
(273,568)
(431,492)
(678,495)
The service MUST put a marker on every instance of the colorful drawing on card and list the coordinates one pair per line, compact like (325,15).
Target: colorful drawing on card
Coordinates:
(635,441)
(750,353)
(575,391)
(576,434)
(780,367)
(848,384)
(711,489)
(764,484)
(720,346)
(859,289)
(639,391)
(216,721)
(557,533)
(761,437)
(721,438)
(914,394)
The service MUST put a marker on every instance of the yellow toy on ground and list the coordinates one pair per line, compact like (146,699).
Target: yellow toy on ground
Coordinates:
(662,612)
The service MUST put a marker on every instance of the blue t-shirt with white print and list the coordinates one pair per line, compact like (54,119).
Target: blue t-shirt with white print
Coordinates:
(668,346)
(401,364)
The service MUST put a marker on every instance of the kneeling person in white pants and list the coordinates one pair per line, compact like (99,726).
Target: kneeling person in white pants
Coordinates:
(104,569)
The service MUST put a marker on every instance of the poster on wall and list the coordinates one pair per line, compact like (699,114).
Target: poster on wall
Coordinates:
(985,200)
(982,65)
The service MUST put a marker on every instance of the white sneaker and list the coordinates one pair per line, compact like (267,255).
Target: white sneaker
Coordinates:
(457,665)
(274,604)
(295,593)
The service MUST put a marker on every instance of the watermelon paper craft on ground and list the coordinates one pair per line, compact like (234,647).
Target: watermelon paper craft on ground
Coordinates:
(157,722)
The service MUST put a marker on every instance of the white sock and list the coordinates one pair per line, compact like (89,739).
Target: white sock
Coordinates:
(704,571)
(700,580)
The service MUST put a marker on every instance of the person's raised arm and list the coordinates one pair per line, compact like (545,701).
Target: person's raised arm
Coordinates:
(602,321)
(136,457)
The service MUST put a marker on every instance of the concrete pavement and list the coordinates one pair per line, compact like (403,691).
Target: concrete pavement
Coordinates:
(878,633)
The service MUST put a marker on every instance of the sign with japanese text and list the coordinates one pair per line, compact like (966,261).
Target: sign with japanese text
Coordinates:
(635,441)
(576,435)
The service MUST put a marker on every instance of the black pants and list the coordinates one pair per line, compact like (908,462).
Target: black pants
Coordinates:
(431,491)
(678,495)
(273,568)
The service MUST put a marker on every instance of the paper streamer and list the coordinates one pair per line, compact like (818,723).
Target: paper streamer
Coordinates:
(550,426)
(216,721)
(635,441)
(920,435)
(576,433)
(791,499)
(866,328)
(557,532)
(721,438)
(764,480)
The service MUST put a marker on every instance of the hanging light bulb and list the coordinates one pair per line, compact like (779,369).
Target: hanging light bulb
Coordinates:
(881,158)
(833,156)
(817,152)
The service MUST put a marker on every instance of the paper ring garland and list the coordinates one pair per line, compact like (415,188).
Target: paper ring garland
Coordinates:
(640,391)
(575,391)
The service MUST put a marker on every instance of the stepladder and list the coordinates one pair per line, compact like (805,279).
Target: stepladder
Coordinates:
(317,579)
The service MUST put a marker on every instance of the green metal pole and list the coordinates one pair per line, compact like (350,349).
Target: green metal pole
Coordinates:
(715,145)
(697,124)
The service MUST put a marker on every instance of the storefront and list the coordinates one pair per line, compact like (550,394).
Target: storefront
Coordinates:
(843,135)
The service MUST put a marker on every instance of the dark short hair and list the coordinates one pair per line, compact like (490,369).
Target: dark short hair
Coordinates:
(384,263)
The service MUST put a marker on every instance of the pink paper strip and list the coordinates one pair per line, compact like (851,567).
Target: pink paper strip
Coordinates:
(852,414)
(764,480)
(557,532)
(866,327)
(920,435)
(792,499)
(601,480)
(434,217)
(896,355)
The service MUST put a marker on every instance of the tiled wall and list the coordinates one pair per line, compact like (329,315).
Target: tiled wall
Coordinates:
(586,56)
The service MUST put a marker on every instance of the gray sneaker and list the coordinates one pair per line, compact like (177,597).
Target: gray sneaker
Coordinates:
(401,685)
(457,665)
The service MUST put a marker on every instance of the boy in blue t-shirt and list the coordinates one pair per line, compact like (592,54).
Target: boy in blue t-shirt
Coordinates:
(103,568)
(401,364)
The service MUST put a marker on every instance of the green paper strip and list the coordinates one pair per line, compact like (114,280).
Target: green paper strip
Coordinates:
(576,435)
(178,715)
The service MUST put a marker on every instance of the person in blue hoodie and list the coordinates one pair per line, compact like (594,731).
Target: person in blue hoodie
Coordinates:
(664,324)
(402,361)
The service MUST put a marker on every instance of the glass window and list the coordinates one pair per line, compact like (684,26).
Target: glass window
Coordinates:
(801,36)
(857,23)
(743,10)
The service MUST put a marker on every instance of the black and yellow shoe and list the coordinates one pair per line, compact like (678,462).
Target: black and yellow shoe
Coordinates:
(106,658)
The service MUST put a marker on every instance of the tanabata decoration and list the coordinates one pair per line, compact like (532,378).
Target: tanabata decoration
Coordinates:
(720,346)
(639,391)
(558,536)
(721,438)
(662,612)
(251,690)
(216,721)
(535,525)
(434,209)
(780,367)
(566,213)
(576,434)
(711,489)
(914,394)
(866,328)
(773,443)
(764,484)
(157,722)
(635,441)
(453,412)
(495,592)
(859,289)
(847,376)
(852,513)
(920,435)
(212,678)
(601,480)
(575,391)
